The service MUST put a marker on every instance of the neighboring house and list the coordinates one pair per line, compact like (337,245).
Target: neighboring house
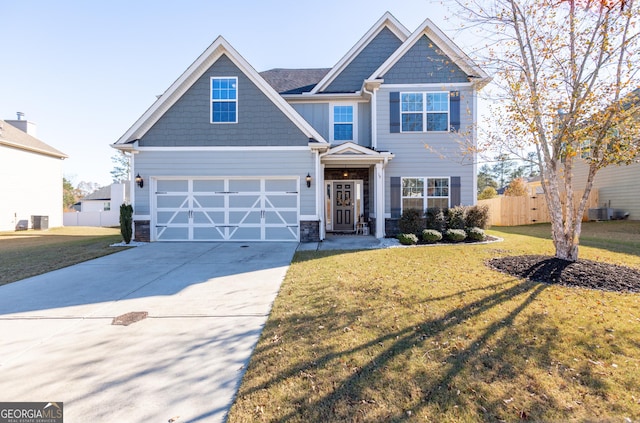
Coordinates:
(617,185)
(229,154)
(30,178)
(100,208)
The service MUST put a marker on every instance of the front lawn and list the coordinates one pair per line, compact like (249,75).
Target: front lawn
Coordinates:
(432,334)
(28,253)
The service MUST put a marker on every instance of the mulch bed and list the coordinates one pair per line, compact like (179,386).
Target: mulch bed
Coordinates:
(582,273)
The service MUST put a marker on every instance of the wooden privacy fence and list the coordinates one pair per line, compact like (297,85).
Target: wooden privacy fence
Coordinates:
(514,211)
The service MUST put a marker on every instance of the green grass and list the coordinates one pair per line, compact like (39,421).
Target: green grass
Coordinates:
(432,334)
(31,253)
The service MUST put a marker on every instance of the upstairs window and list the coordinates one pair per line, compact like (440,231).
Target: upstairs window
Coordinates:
(343,122)
(424,112)
(224,100)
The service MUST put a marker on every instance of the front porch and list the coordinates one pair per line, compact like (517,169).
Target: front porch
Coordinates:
(353,190)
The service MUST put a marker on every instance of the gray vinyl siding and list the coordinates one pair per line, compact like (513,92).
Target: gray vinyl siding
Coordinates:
(424,63)
(365,63)
(158,164)
(427,154)
(260,121)
(617,186)
(364,124)
(317,115)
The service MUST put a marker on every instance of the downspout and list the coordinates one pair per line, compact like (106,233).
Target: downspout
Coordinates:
(374,115)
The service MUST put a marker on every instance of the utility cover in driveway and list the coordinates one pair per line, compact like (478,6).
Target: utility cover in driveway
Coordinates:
(128,318)
(227,209)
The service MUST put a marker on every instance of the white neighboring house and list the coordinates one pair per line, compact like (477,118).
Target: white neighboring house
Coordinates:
(30,178)
(100,208)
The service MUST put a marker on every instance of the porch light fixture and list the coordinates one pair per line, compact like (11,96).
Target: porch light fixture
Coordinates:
(345,173)
(308,179)
(139,180)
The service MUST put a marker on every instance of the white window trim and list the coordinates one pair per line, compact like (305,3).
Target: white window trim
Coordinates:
(425,185)
(211,100)
(425,113)
(354,123)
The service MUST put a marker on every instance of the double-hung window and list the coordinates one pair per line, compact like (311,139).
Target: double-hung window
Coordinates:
(425,193)
(424,112)
(343,122)
(224,100)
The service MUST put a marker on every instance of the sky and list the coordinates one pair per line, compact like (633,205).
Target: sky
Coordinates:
(85,71)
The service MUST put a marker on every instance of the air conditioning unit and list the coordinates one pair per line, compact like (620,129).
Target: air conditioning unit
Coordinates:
(603,213)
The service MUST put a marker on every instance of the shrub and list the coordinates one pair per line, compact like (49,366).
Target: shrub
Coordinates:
(475,234)
(477,216)
(455,235)
(455,217)
(126,226)
(436,219)
(487,193)
(408,239)
(431,236)
(517,188)
(411,221)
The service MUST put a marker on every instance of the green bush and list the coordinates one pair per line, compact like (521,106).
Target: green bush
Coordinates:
(455,235)
(411,221)
(456,217)
(477,217)
(475,234)
(487,193)
(408,239)
(435,219)
(431,236)
(126,222)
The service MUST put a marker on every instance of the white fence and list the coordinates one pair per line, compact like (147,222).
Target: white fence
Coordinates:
(104,218)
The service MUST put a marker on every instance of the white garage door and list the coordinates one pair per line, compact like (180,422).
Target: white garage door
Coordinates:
(229,209)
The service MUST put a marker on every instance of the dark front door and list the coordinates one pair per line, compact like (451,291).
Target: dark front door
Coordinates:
(343,206)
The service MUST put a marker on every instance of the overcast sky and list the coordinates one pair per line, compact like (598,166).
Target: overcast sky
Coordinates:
(85,71)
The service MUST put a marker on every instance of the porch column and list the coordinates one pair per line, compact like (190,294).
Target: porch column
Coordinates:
(322,209)
(379,232)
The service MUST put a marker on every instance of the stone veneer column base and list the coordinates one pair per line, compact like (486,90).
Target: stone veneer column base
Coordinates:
(309,231)
(142,231)
(391,227)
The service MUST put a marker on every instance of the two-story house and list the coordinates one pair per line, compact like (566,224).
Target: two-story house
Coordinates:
(230,154)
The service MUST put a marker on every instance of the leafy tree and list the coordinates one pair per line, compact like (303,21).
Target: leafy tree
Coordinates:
(121,167)
(487,193)
(485,179)
(503,169)
(69,194)
(565,72)
(517,188)
(85,188)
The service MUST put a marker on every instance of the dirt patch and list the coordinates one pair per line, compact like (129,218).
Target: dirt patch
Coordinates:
(582,273)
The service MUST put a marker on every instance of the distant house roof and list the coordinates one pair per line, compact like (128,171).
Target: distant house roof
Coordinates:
(104,193)
(16,138)
(294,81)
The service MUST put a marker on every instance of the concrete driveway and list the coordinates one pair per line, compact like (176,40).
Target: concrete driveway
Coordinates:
(206,304)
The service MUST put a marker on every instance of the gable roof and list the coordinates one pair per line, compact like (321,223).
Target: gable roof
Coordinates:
(104,193)
(217,49)
(386,21)
(293,81)
(350,152)
(16,138)
(444,43)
